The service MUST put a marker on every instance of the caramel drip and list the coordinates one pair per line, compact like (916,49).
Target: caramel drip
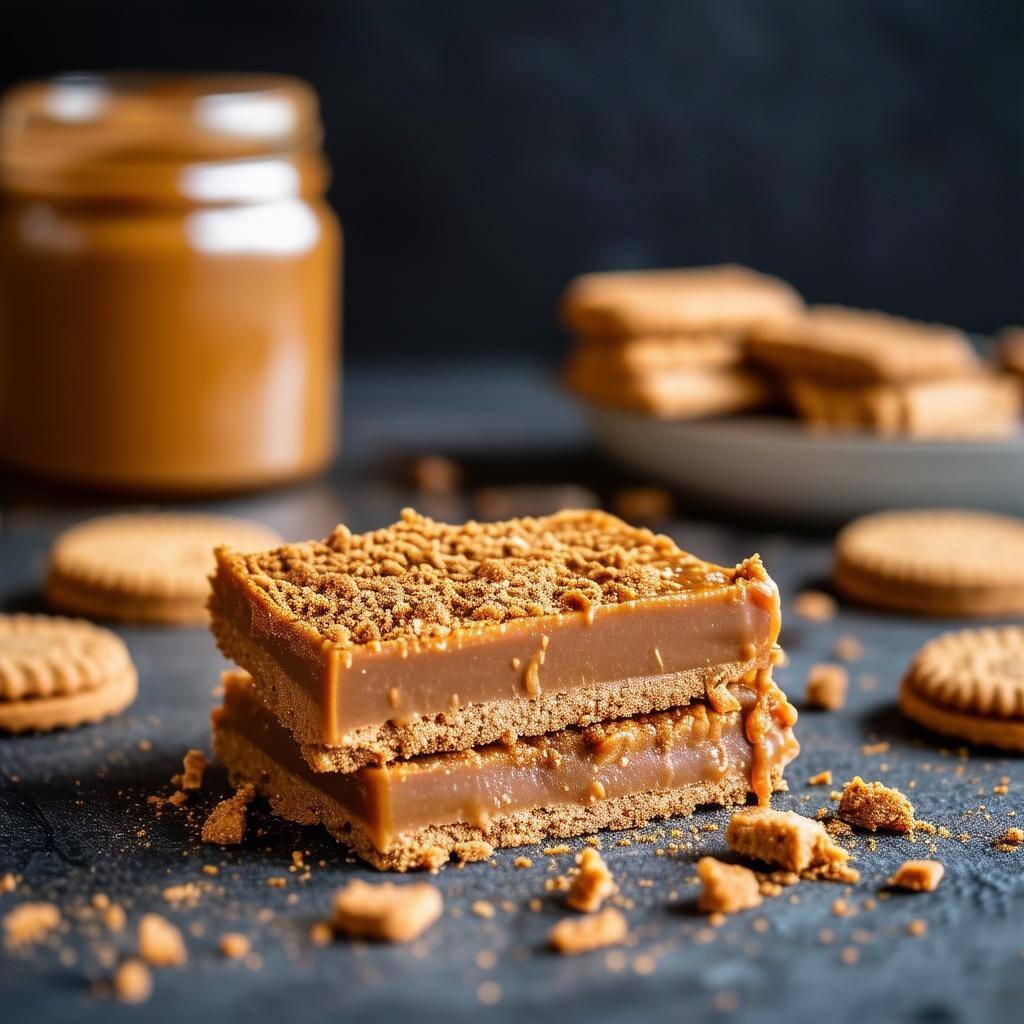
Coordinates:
(532,678)
(770,708)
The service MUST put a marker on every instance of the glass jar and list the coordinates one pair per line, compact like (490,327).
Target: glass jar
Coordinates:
(169,279)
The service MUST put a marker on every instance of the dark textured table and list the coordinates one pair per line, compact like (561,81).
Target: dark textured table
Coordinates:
(74,818)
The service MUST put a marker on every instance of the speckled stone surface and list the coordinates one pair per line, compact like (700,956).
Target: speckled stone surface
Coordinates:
(74,818)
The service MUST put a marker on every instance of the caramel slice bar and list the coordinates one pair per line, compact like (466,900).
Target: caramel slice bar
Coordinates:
(622,774)
(423,636)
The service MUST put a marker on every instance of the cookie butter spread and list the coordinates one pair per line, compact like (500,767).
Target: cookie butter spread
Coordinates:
(426,636)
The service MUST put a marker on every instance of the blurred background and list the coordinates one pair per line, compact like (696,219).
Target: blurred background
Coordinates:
(869,152)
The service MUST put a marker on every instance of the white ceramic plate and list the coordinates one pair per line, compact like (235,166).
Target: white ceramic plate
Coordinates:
(777,466)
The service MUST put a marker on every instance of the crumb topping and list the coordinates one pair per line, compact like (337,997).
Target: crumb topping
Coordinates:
(419,579)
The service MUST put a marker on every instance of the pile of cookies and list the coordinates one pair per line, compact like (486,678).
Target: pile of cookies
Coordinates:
(689,343)
(151,568)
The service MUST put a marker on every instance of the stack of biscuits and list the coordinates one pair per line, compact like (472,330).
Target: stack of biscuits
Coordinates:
(853,369)
(672,343)
(429,690)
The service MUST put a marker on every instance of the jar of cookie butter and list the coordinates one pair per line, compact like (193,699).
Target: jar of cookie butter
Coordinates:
(169,280)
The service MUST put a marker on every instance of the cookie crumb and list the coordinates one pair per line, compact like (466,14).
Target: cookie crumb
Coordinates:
(472,851)
(1010,840)
(483,909)
(522,862)
(821,779)
(226,824)
(320,933)
(30,923)
(187,893)
(161,943)
(575,935)
(386,912)
(133,982)
(234,945)
(918,876)
(790,841)
(592,884)
(917,927)
(194,766)
(8,883)
(727,888)
(848,648)
(434,858)
(488,993)
(815,605)
(827,686)
(873,806)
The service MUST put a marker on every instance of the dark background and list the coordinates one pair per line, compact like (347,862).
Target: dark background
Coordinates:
(484,152)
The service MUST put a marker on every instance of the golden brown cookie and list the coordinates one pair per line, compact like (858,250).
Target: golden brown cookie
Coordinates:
(145,567)
(934,562)
(970,685)
(672,301)
(57,673)
(856,346)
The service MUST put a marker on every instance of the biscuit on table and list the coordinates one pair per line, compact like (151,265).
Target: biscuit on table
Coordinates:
(57,673)
(856,346)
(145,567)
(673,301)
(976,408)
(933,562)
(970,685)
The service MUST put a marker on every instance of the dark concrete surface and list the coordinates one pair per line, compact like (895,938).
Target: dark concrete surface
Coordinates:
(74,819)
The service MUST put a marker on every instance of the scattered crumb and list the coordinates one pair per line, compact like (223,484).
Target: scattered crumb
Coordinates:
(433,858)
(827,686)
(554,851)
(592,884)
(574,935)
(161,943)
(29,923)
(727,888)
(790,841)
(133,982)
(522,862)
(850,955)
(872,806)
(8,883)
(234,945)
(871,749)
(1010,840)
(186,892)
(226,824)
(488,993)
(320,933)
(277,882)
(917,927)
(815,605)
(194,766)
(386,911)
(918,876)
(848,648)
(650,505)
(483,909)
(472,851)
(821,779)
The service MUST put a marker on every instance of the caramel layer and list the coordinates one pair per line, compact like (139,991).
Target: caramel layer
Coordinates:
(663,751)
(730,623)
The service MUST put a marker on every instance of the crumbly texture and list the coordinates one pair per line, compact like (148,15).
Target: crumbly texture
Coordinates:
(814,605)
(29,923)
(827,686)
(133,982)
(726,888)
(144,567)
(592,884)
(161,943)
(473,851)
(1012,837)
(194,766)
(788,840)
(226,824)
(575,935)
(918,876)
(969,684)
(294,799)
(419,579)
(934,561)
(386,912)
(873,806)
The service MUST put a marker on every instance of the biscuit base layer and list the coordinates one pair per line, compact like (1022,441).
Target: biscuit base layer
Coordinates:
(43,714)
(472,725)
(294,799)
(977,729)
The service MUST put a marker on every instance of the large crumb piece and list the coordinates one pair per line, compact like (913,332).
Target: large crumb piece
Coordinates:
(790,841)
(193,768)
(132,982)
(29,923)
(592,884)
(473,850)
(918,876)
(575,935)
(386,912)
(727,888)
(827,686)
(1012,839)
(815,605)
(226,824)
(8,883)
(233,945)
(873,806)
(161,944)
